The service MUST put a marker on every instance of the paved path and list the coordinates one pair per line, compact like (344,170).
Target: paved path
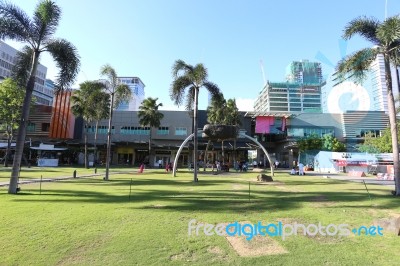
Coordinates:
(37,180)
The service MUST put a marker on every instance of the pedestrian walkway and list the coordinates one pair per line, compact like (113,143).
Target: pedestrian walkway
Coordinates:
(37,180)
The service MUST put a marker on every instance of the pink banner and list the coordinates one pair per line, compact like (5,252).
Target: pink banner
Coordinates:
(263,124)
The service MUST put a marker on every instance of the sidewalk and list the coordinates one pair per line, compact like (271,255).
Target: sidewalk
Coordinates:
(37,180)
(367,180)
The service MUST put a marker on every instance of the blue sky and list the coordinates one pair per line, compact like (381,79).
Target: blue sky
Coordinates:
(230,37)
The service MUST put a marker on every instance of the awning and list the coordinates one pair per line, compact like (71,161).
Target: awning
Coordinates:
(46,147)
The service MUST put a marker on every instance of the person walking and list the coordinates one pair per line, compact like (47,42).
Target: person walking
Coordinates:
(301,168)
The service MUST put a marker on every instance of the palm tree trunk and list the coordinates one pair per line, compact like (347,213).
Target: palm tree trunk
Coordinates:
(195,156)
(7,155)
(108,156)
(206,155)
(20,142)
(150,146)
(95,142)
(393,126)
(223,153)
(86,155)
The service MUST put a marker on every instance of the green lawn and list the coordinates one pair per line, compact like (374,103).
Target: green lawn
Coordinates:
(93,222)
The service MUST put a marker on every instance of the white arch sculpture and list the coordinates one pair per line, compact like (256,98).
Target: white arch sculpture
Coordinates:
(240,134)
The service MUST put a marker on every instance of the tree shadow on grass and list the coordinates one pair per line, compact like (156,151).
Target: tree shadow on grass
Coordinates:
(188,196)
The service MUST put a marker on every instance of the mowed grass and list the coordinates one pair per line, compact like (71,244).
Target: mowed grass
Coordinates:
(93,222)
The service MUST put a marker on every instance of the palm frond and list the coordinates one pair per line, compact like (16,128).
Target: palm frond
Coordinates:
(109,72)
(363,26)
(148,113)
(14,23)
(213,89)
(177,90)
(200,74)
(45,19)
(355,66)
(122,94)
(179,66)
(67,60)
(20,70)
(389,31)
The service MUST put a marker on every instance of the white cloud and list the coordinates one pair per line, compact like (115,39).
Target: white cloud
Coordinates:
(245,104)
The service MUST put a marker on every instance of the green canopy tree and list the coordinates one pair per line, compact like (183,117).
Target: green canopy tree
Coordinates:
(38,35)
(187,81)
(85,104)
(385,38)
(330,143)
(377,144)
(149,115)
(11,98)
(118,93)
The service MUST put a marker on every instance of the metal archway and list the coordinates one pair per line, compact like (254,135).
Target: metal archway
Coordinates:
(240,134)
(179,153)
(264,150)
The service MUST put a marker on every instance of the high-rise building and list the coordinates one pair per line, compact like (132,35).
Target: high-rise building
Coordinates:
(8,57)
(300,93)
(304,72)
(368,95)
(137,89)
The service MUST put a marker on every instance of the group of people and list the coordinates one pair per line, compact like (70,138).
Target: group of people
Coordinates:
(168,166)
(300,169)
(240,166)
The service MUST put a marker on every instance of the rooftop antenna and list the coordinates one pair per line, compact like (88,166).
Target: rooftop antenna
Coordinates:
(262,71)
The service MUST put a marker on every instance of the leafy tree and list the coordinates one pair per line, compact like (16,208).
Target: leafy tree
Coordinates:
(119,93)
(216,110)
(374,144)
(149,115)
(232,116)
(312,142)
(191,79)
(85,104)
(330,143)
(37,33)
(11,98)
(385,38)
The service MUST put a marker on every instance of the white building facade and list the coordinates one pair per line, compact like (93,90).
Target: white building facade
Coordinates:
(8,59)
(369,95)
(137,88)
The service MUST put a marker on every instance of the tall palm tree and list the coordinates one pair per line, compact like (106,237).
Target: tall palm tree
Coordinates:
(101,111)
(232,117)
(385,37)
(190,78)
(37,33)
(149,115)
(119,93)
(215,115)
(85,104)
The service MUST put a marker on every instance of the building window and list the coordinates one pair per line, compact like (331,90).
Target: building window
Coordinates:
(298,132)
(45,127)
(361,133)
(104,129)
(163,131)
(31,127)
(135,131)
(180,131)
